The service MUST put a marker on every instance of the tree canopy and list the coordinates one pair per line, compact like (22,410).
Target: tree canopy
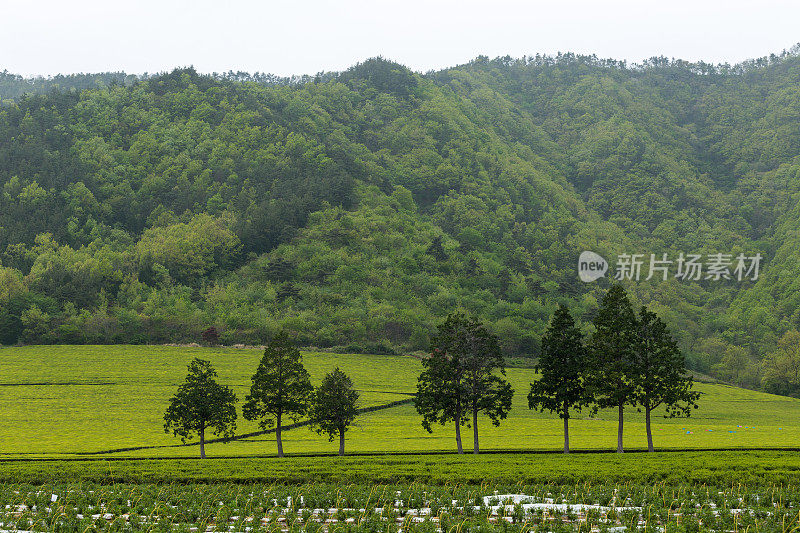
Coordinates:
(614,370)
(334,406)
(148,209)
(201,404)
(662,376)
(460,380)
(281,387)
(563,367)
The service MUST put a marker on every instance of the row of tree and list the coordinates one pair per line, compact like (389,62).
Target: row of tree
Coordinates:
(629,360)
(281,389)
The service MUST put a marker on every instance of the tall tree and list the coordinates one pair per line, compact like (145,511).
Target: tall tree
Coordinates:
(281,387)
(487,392)
(614,370)
(200,404)
(334,406)
(440,392)
(458,379)
(562,363)
(662,372)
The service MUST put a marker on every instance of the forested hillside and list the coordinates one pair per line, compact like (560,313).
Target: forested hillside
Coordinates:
(356,210)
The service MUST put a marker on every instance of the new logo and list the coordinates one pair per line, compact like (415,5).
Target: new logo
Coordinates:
(591,266)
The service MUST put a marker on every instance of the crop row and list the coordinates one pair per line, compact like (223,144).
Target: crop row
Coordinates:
(411,507)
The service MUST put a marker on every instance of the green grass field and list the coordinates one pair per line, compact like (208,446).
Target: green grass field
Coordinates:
(65,400)
(63,407)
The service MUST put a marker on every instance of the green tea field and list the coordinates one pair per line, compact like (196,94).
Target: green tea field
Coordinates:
(63,401)
(510,493)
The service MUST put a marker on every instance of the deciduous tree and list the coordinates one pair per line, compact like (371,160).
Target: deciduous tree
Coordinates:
(458,379)
(210,336)
(200,404)
(782,367)
(334,406)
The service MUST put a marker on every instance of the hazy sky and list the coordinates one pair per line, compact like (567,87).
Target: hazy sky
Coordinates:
(305,37)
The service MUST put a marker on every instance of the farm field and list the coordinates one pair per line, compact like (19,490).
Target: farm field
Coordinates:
(60,401)
(403,507)
(713,468)
(709,491)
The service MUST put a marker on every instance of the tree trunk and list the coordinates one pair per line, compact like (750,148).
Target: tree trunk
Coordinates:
(278,435)
(566,428)
(619,430)
(202,443)
(649,431)
(458,434)
(476,448)
(341,441)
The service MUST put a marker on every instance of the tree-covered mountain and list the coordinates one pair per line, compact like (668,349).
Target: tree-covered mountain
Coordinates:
(358,209)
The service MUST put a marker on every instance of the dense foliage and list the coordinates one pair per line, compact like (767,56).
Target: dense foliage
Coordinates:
(334,406)
(629,360)
(562,366)
(460,378)
(201,404)
(281,387)
(613,372)
(662,376)
(357,210)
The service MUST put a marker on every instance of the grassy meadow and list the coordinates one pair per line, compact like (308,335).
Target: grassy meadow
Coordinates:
(65,400)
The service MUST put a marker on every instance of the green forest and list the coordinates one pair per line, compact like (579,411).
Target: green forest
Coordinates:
(356,210)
